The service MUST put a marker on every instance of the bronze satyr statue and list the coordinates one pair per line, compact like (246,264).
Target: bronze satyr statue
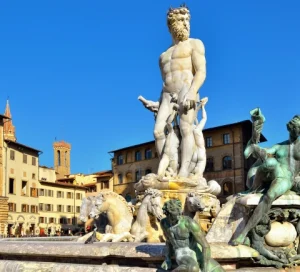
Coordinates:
(185,241)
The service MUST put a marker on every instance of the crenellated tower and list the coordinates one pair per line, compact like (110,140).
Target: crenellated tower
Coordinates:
(62,158)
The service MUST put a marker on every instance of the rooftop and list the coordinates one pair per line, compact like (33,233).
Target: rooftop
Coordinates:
(22,146)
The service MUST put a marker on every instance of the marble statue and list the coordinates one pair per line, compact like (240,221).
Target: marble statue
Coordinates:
(88,216)
(178,133)
(185,241)
(146,226)
(276,174)
(120,225)
(119,215)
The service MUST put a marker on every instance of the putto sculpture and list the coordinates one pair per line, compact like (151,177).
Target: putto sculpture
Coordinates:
(178,134)
(185,241)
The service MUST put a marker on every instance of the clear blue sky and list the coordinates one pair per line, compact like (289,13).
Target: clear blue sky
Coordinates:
(74,69)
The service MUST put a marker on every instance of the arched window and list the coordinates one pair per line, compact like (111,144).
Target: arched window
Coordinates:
(129,177)
(138,175)
(148,171)
(66,154)
(227,188)
(120,178)
(227,162)
(148,154)
(58,158)
(138,156)
(209,164)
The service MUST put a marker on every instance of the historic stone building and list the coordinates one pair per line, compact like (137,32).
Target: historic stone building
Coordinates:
(62,158)
(94,183)
(129,164)
(225,161)
(21,182)
(3,199)
(59,203)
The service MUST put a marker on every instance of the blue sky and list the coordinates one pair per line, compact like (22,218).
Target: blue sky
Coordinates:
(74,69)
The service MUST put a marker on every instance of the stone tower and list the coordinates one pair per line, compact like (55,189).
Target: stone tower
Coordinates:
(9,131)
(62,164)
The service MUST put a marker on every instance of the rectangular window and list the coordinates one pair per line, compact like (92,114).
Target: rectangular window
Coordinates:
(42,192)
(33,160)
(208,142)
(51,220)
(41,205)
(104,185)
(43,220)
(78,209)
(59,208)
(11,189)
(226,138)
(138,156)
(58,194)
(148,154)
(120,160)
(33,192)
(62,220)
(24,188)
(24,158)
(24,208)
(78,196)
(12,155)
(48,207)
(69,195)
(69,220)
(33,176)
(33,209)
(68,208)
(11,207)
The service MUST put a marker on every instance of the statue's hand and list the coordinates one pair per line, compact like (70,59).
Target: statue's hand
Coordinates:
(167,264)
(189,104)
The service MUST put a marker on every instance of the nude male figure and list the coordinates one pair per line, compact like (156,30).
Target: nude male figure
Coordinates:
(183,69)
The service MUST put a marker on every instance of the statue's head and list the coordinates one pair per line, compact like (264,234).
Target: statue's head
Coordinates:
(172,208)
(293,126)
(178,20)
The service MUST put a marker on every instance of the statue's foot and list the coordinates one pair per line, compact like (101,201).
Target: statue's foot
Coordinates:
(240,240)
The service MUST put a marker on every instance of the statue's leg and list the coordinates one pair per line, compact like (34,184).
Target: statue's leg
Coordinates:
(187,264)
(163,165)
(280,185)
(187,142)
(165,109)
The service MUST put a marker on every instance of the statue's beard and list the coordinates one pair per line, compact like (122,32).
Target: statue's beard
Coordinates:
(180,33)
